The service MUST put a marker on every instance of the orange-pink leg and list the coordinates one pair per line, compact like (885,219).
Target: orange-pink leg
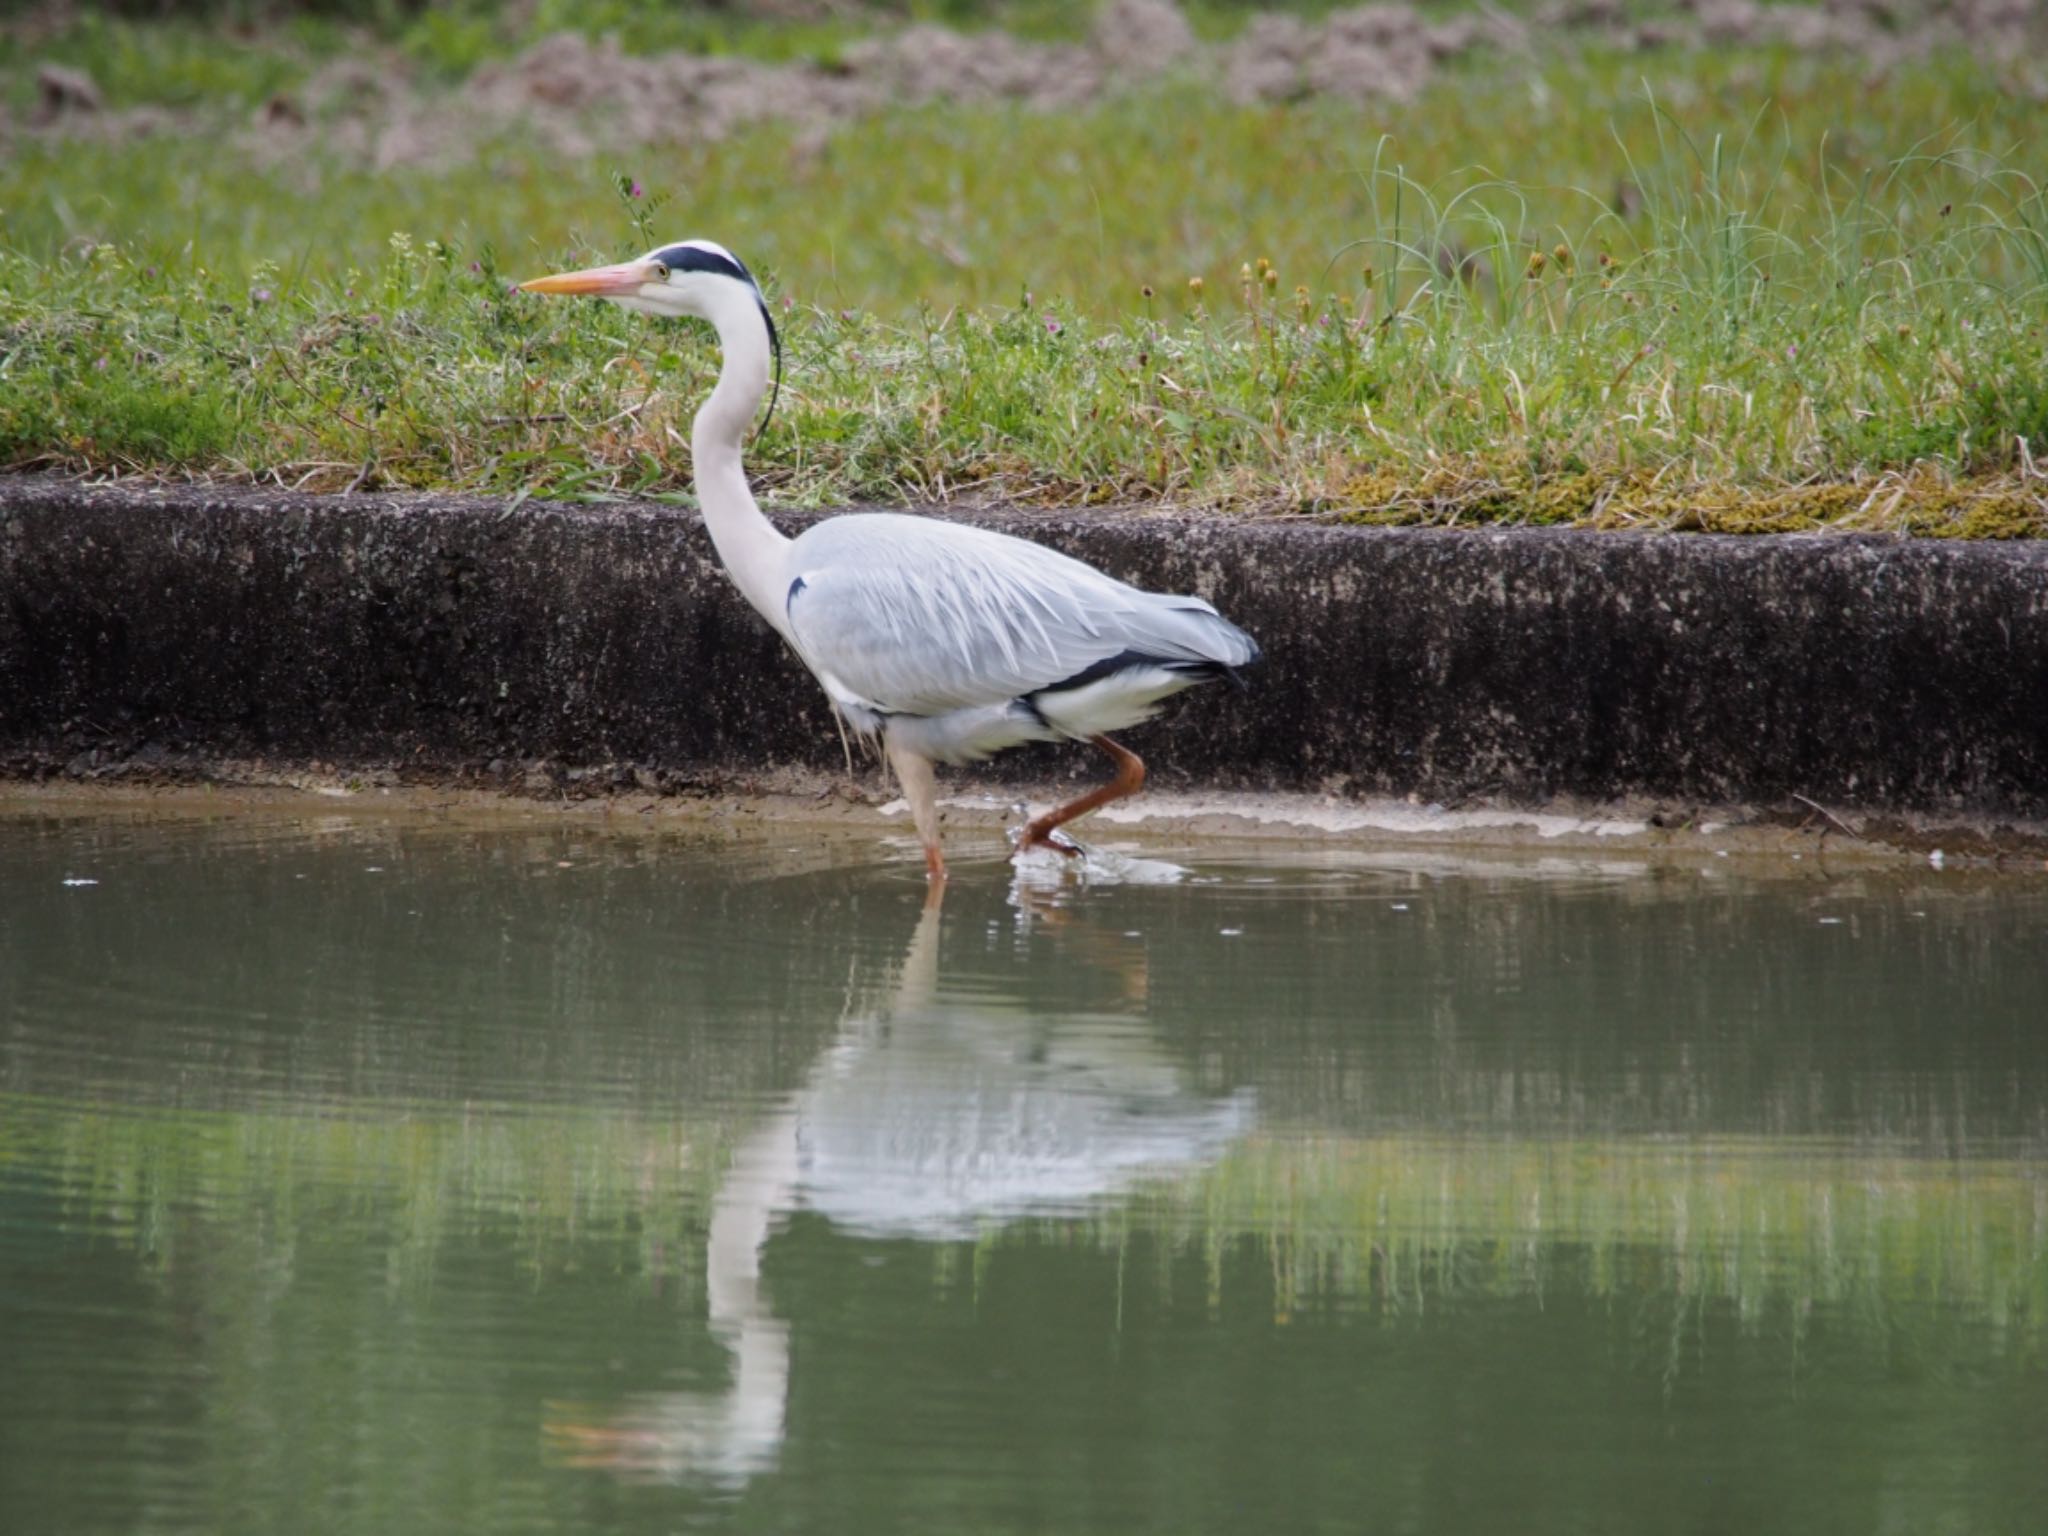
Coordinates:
(914,777)
(1130,778)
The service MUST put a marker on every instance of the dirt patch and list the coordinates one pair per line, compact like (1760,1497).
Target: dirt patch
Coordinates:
(576,96)
(975,816)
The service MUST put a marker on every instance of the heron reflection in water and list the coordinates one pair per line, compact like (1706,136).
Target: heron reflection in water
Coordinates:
(933,1115)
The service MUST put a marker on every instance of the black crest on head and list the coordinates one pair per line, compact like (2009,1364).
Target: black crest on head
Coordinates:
(695,258)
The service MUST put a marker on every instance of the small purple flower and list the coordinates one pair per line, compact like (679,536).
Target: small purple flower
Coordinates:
(99,364)
(261,296)
(1052,326)
(476,266)
(636,190)
(1792,353)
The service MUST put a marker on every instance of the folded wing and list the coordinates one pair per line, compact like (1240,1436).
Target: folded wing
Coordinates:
(911,616)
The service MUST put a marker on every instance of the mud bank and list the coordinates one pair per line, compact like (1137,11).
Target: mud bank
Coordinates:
(182,633)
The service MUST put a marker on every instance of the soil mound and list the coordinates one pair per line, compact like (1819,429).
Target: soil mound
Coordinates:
(574,95)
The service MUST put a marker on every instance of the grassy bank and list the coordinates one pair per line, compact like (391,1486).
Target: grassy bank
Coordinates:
(1604,289)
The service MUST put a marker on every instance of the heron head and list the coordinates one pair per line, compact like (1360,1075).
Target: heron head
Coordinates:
(693,279)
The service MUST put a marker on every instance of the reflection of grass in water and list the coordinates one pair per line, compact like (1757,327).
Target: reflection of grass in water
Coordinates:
(1748,1222)
(557,1184)
(1404,1222)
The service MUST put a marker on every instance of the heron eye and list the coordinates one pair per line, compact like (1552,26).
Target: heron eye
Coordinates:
(660,273)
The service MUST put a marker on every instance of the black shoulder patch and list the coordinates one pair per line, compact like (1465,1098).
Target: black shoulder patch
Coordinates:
(1123,661)
(794,588)
(694,258)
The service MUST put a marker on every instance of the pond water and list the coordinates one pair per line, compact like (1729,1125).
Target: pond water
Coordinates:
(399,1176)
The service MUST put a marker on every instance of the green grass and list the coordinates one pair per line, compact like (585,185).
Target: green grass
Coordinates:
(1692,297)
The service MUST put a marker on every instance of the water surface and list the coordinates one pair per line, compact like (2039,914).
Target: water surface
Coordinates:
(365,1175)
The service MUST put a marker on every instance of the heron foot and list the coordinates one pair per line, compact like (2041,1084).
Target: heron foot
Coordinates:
(1043,832)
(1048,837)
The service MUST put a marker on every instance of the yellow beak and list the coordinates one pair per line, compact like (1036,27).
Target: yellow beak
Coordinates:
(607,282)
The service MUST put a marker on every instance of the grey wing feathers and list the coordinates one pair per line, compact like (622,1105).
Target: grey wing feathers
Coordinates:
(909,615)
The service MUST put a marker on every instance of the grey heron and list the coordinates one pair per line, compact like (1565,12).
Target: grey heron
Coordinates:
(946,642)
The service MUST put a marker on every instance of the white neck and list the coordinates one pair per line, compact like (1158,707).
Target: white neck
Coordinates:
(751,549)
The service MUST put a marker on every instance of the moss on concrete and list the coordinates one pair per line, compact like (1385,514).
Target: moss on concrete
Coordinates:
(1922,502)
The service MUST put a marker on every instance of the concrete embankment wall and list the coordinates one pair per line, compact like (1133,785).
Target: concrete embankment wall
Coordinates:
(172,627)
